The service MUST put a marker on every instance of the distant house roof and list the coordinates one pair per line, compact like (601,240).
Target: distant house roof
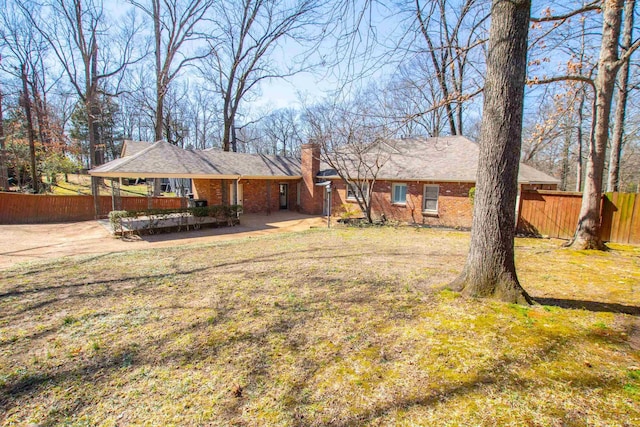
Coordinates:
(449,158)
(129,148)
(164,160)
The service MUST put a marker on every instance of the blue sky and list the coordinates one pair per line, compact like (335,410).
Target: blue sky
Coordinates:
(279,93)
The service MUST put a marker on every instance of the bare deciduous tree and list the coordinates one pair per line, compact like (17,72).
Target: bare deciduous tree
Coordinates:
(4,174)
(282,129)
(204,112)
(451,31)
(415,90)
(354,142)
(24,53)
(587,234)
(25,102)
(621,103)
(490,268)
(248,32)
(551,139)
(175,29)
(76,32)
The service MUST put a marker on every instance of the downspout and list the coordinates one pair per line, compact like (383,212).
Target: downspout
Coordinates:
(329,203)
(235,202)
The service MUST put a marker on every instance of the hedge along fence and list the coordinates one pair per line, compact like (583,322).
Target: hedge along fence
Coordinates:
(17,208)
(150,221)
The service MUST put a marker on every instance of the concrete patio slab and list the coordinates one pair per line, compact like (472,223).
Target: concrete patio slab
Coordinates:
(33,242)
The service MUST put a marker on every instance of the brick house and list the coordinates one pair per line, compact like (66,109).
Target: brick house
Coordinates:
(422,180)
(260,183)
(425,181)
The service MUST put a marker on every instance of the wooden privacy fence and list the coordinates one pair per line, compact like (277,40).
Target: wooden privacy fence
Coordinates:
(549,213)
(555,214)
(541,213)
(16,208)
(621,218)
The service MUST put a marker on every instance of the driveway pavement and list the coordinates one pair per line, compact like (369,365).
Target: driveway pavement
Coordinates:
(32,242)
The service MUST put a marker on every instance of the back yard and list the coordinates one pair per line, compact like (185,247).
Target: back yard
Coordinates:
(345,327)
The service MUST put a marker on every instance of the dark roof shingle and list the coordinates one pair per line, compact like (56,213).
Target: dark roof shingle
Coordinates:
(166,160)
(450,158)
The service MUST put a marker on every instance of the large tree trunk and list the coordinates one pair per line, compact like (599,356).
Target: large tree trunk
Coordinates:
(229,141)
(26,100)
(4,174)
(95,156)
(226,137)
(157,132)
(580,142)
(564,171)
(157,182)
(160,87)
(621,104)
(40,113)
(490,269)
(587,235)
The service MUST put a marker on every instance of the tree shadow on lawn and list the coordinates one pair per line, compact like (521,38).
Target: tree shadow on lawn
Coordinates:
(142,282)
(501,372)
(261,367)
(91,373)
(595,306)
(162,350)
(70,286)
(86,373)
(37,267)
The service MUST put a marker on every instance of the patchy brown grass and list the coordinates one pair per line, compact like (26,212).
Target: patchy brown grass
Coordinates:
(343,327)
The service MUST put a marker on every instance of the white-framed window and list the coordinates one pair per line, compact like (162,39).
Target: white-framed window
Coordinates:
(399,193)
(430,199)
(352,190)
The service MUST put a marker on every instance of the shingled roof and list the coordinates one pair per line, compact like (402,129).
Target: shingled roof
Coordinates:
(164,160)
(444,159)
(129,148)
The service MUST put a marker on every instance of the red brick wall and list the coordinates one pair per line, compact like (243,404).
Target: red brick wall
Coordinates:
(310,196)
(293,195)
(454,205)
(210,190)
(259,196)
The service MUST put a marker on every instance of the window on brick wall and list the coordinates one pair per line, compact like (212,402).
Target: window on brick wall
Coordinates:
(430,200)
(399,194)
(352,190)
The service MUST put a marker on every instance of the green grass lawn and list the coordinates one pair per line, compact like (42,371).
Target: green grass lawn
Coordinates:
(341,327)
(81,184)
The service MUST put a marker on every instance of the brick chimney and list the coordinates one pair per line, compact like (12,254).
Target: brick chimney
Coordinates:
(310,195)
